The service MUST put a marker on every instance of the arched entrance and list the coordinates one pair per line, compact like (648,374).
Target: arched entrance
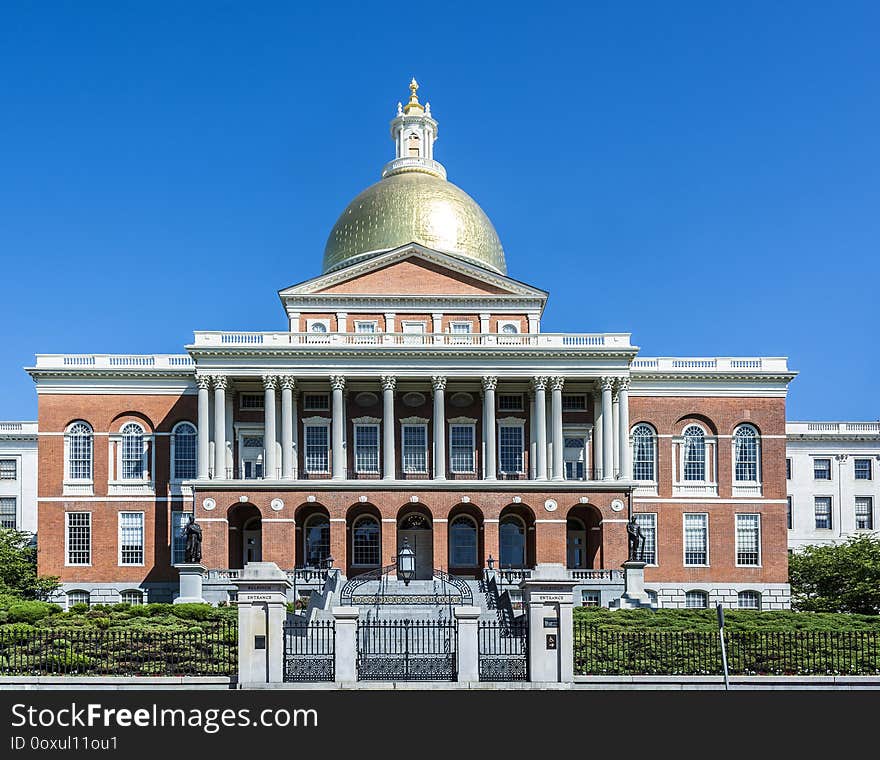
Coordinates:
(312,535)
(583,538)
(252,540)
(465,541)
(516,537)
(245,535)
(415,528)
(364,527)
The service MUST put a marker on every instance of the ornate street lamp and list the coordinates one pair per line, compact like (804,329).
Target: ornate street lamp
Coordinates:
(406,563)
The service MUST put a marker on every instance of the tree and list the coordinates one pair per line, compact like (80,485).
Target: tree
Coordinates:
(838,578)
(18,567)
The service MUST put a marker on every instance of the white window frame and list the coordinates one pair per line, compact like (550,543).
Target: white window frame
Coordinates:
(79,486)
(323,321)
(746,488)
(632,444)
(143,530)
(255,455)
(581,408)
(461,323)
(515,324)
(137,591)
(704,595)
(14,500)
(145,483)
(870,515)
(70,604)
(583,435)
(736,547)
(708,486)
(830,472)
(741,594)
(515,423)
(830,501)
(67,526)
(257,407)
(870,468)
(653,520)
(684,547)
(366,326)
(173,473)
(413,422)
(308,422)
(176,531)
(15,467)
(357,521)
(463,422)
(358,425)
(316,394)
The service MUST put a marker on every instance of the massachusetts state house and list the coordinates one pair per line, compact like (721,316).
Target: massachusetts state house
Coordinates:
(412,394)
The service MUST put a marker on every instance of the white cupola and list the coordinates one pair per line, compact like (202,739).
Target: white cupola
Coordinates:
(414,133)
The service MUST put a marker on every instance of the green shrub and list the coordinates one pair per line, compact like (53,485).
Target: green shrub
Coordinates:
(79,608)
(30,612)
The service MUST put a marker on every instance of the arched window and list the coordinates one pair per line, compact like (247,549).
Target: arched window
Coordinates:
(463,542)
(696,600)
(413,144)
(509,329)
(745,453)
(132,451)
(318,327)
(79,451)
(644,456)
(749,600)
(316,537)
(694,459)
(183,451)
(512,535)
(366,546)
(77,597)
(132,596)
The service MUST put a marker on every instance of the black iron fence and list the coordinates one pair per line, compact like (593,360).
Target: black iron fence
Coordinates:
(119,652)
(310,651)
(407,650)
(601,652)
(503,653)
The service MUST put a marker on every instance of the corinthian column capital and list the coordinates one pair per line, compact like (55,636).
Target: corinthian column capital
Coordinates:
(388,382)
(270,382)
(221,382)
(337,382)
(606,383)
(539,383)
(490,382)
(288,382)
(622,384)
(557,383)
(438,382)
(203,381)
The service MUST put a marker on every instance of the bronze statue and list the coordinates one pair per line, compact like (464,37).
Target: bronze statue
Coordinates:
(636,539)
(193,531)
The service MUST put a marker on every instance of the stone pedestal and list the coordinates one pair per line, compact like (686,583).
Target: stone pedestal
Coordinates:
(191,575)
(468,643)
(346,643)
(262,609)
(548,598)
(634,596)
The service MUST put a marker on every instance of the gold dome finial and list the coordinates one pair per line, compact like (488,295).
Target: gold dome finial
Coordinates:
(413,104)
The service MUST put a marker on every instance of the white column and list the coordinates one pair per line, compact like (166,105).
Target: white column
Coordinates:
(615,425)
(204,383)
(220,383)
(534,324)
(270,382)
(533,440)
(489,464)
(607,384)
(341,321)
(484,322)
(337,383)
(294,427)
(556,384)
(288,383)
(389,461)
(597,435)
(438,382)
(624,456)
(390,317)
(540,386)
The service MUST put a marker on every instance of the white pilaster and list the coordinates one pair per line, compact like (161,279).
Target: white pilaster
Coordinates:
(556,384)
(540,386)
(337,384)
(438,383)
(341,321)
(270,471)
(624,455)
(484,322)
(389,461)
(220,383)
(607,384)
(615,424)
(533,441)
(288,383)
(489,464)
(204,422)
(597,436)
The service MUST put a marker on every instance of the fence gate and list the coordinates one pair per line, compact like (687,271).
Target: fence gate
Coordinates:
(407,650)
(310,651)
(503,652)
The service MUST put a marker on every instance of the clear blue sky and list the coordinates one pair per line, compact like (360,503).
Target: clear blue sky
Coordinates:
(703,175)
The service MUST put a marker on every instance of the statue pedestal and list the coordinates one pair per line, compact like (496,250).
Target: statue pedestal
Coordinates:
(634,596)
(191,575)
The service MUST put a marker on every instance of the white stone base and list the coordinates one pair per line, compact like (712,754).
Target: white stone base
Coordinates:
(191,576)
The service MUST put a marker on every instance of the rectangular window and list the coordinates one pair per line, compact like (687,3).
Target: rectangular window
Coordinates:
(179,521)
(788,512)
(788,469)
(79,538)
(648,523)
(415,448)
(8,469)
(131,538)
(461,448)
(460,328)
(316,402)
(862,469)
(590,598)
(317,448)
(251,400)
(8,513)
(510,402)
(253,470)
(822,509)
(696,539)
(184,455)
(510,448)
(822,469)
(573,458)
(864,513)
(748,540)
(366,448)
(365,327)
(574,402)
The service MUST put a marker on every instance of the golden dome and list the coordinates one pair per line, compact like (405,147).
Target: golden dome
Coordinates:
(414,207)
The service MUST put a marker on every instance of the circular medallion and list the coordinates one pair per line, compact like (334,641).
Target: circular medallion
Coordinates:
(366,399)
(550,505)
(413,399)
(209,504)
(461,399)
(276,504)
(617,505)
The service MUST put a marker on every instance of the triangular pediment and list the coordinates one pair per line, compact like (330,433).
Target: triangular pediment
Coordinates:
(413,270)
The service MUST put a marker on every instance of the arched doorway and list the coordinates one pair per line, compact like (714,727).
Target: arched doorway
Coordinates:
(414,527)
(364,528)
(583,538)
(245,535)
(465,541)
(516,537)
(252,540)
(312,535)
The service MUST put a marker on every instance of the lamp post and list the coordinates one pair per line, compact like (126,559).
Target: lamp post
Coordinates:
(406,563)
